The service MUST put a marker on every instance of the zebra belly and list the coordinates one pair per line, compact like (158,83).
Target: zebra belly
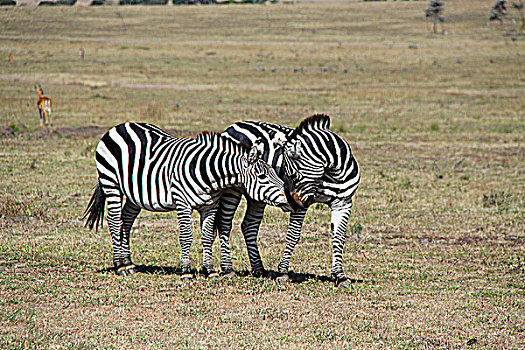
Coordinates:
(162,204)
(211,202)
(173,199)
(200,199)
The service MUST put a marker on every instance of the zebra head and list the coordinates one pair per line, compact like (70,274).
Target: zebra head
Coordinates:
(309,154)
(261,182)
(302,172)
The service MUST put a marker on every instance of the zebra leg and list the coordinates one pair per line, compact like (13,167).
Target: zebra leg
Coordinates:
(292,237)
(228,204)
(114,199)
(185,238)
(129,214)
(339,221)
(208,237)
(250,229)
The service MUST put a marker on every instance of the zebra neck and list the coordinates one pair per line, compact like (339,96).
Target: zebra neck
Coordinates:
(225,169)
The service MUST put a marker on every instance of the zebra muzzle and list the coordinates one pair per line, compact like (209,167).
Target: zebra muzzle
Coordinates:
(282,199)
(303,200)
(297,199)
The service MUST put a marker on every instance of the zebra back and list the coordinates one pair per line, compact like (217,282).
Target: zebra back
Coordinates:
(268,137)
(323,162)
(154,169)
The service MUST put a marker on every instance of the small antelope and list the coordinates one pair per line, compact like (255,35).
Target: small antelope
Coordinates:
(10,58)
(81,53)
(44,108)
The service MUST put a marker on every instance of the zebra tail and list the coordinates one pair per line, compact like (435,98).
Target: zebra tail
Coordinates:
(95,209)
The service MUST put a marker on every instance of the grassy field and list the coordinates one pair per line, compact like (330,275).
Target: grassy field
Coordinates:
(437,122)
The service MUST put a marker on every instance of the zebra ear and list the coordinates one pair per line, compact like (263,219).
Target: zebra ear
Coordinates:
(278,138)
(294,149)
(253,155)
(256,151)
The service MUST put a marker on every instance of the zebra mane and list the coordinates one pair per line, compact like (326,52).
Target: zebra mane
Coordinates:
(213,136)
(316,121)
(205,136)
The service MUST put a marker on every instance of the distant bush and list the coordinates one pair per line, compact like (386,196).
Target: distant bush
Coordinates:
(190,2)
(58,3)
(143,2)
(219,2)
(392,0)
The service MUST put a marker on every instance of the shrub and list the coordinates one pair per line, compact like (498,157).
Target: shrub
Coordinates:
(143,2)
(58,3)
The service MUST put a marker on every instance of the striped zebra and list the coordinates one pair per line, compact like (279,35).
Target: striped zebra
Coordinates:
(317,166)
(158,172)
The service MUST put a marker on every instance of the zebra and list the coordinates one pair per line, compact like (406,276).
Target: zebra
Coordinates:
(158,172)
(318,167)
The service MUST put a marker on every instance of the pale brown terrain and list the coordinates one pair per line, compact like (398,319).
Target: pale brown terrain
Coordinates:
(435,244)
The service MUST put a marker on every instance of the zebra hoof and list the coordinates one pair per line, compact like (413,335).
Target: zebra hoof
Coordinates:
(259,273)
(122,271)
(209,272)
(131,269)
(344,284)
(283,278)
(229,274)
(186,277)
(213,275)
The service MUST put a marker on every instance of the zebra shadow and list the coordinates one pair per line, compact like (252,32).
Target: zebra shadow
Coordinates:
(161,270)
(299,277)
(152,269)
(294,277)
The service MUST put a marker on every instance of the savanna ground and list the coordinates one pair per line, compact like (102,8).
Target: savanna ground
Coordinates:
(436,240)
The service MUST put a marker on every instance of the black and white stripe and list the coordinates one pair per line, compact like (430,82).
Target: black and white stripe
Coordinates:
(158,172)
(318,167)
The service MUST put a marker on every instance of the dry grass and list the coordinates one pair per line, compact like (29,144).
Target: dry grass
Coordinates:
(436,241)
